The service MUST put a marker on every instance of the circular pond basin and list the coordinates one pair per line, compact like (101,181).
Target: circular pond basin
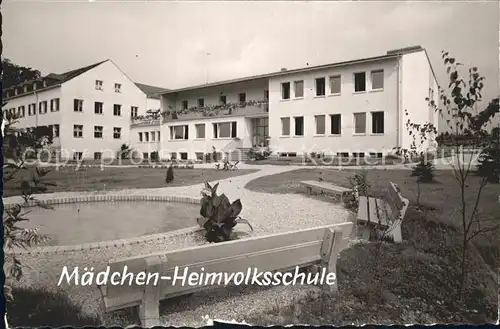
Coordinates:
(73,222)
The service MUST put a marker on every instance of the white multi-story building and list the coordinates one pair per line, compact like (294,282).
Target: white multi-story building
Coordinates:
(90,109)
(355,108)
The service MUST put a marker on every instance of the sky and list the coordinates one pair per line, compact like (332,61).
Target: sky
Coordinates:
(166,43)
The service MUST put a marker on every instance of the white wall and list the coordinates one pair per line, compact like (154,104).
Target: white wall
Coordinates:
(417,81)
(83,87)
(49,118)
(204,145)
(346,104)
(145,147)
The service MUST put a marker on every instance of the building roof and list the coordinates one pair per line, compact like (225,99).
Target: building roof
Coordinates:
(151,91)
(54,79)
(390,54)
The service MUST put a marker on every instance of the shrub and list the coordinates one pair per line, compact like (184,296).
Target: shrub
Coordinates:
(37,307)
(124,152)
(360,187)
(259,153)
(155,156)
(424,171)
(170,175)
(218,215)
(489,164)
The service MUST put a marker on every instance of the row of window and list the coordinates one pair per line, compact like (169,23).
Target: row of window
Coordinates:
(335,124)
(42,108)
(54,107)
(99,106)
(242,97)
(98,132)
(334,86)
(99,86)
(144,136)
(220,130)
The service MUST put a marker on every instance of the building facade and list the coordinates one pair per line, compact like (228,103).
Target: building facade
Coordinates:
(355,108)
(90,109)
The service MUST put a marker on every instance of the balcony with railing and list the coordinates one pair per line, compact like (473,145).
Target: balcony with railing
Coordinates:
(152,118)
(244,109)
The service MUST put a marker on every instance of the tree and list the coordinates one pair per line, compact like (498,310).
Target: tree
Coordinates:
(468,126)
(13,74)
(15,145)
(169,178)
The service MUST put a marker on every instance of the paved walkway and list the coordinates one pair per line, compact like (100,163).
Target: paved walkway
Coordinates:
(268,213)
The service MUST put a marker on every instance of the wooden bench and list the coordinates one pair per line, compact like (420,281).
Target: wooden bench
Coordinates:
(325,187)
(385,214)
(317,247)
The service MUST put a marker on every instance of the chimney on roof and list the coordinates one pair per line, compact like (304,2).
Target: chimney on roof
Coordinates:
(283,69)
(404,50)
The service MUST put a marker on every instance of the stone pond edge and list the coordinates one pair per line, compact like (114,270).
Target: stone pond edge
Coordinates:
(110,243)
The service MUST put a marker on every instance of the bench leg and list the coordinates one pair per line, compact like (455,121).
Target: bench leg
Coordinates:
(149,311)
(396,232)
(364,231)
(330,249)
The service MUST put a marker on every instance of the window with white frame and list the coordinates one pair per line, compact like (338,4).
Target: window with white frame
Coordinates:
(377,79)
(78,105)
(118,88)
(98,107)
(359,82)
(335,85)
(133,111)
(320,86)
(298,88)
(97,155)
(43,107)
(32,109)
(158,135)
(299,126)
(201,102)
(320,121)
(77,155)
(200,130)
(378,122)
(222,99)
(140,137)
(285,90)
(56,131)
(146,136)
(117,132)
(185,105)
(54,105)
(98,131)
(78,131)
(285,126)
(117,110)
(360,123)
(225,130)
(98,84)
(21,111)
(180,132)
(335,124)
(153,136)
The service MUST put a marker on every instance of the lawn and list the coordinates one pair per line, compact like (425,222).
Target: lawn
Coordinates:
(112,178)
(420,276)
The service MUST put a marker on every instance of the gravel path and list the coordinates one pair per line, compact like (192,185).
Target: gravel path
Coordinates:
(268,213)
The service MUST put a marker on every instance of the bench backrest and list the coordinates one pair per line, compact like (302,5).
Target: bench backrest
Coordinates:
(267,253)
(392,196)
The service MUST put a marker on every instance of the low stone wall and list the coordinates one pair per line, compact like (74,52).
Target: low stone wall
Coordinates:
(111,243)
